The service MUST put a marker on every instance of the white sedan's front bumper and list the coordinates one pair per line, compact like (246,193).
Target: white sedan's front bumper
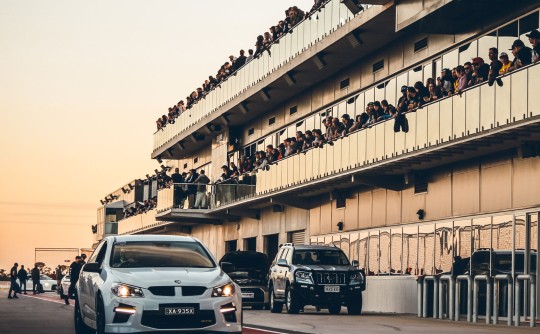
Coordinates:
(149,314)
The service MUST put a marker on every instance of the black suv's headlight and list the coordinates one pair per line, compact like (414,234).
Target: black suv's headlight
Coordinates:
(125,291)
(356,277)
(226,290)
(303,277)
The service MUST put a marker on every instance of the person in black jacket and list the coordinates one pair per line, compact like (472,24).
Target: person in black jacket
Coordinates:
(13,282)
(35,274)
(23,277)
(74,271)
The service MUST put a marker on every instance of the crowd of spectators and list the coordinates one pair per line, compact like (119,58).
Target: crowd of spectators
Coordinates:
(450,82)
(140,207)
(293,16)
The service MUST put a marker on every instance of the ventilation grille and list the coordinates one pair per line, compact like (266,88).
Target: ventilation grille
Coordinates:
(344,84)
(193,290)
(378,66)
(195,160)
(420,186)
(421,45)
(272,121)
(293,110)
(162,290)
(297,237)
(185,166)
(251,131)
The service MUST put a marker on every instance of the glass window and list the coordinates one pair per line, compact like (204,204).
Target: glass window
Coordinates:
(379,92)
(155,254)
(320,257)
(373,249)
(359,104)
(354,245)
(396,251)
(485,43)
(415,75)
(341,109)
(428,73)
(410,250)
(391,91)
(451,59)
(363,251)
(443,248)
(384,251)
(462,247)
(369,96)
(507,36)
(526,25)
(467,52)
(426,249)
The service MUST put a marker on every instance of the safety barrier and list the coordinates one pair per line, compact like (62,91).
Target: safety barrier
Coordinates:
(532,308)
(477,280)
(435,280)
(469,280)
(450,282)
(419,292)
(509,292)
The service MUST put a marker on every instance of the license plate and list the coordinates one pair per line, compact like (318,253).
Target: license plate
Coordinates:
(179,311)
(248,295)
(331,288)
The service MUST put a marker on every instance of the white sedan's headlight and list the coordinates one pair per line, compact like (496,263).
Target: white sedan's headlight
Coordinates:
(226,290)
(125,291)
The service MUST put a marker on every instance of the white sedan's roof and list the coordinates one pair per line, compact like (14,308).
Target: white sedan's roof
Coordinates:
(151,237)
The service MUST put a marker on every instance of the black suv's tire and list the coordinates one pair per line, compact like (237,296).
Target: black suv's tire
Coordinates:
(334,308)
(291,301)
(80,326)
(354,307)
(275,306)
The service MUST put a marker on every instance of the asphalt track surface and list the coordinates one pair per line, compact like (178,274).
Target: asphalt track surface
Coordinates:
(47,313)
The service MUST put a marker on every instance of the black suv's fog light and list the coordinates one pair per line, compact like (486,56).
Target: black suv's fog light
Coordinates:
(229,312)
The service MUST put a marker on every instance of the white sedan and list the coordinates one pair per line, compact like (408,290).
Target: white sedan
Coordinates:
(156,283)
(64,286)
(47,282)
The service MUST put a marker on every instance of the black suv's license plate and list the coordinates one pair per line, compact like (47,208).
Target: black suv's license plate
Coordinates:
(179,311)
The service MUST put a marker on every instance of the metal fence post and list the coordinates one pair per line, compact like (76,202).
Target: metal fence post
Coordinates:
(469,296)
(420,287)
(435,280)
(477,280)
(509,290)
(450,283)
(532,296)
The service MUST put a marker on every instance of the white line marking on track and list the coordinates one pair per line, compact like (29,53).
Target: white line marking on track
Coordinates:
(263,330)
(46,299)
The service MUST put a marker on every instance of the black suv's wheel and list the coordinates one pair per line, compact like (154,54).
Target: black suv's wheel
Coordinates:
(80,326)
(334,308)
(275,306)
(354,307)
(291,301)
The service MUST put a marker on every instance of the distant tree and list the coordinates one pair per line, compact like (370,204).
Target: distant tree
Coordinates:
(3,275)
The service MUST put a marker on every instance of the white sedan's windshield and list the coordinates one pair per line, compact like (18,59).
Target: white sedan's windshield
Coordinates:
(142,254)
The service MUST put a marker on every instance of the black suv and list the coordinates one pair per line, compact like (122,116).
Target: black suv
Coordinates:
(315,275)
(250,272)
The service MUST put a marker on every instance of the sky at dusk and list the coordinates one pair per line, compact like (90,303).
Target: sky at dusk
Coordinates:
(81,85)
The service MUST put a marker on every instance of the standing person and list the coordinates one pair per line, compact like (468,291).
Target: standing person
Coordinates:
(75,270)
(200,199)
(23,277)
(534,39)
(13,282)
(83,259)
(178,191)
(59,277)
(495,67)
(35,274)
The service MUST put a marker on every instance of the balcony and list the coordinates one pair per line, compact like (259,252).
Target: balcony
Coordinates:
(173,202)
(483,120)
(229,104)
(138,223)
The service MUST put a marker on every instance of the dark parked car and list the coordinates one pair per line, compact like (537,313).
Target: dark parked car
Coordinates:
(250,273)
(501,262)
(315,275)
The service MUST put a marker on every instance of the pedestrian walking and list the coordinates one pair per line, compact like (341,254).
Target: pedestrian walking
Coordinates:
(59,277)
(23,277)
(74,269)
(13,286)
(35,275)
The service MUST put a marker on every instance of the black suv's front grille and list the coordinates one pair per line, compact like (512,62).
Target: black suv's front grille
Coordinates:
(330,278)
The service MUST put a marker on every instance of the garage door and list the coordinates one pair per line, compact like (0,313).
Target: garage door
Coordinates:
(297,237)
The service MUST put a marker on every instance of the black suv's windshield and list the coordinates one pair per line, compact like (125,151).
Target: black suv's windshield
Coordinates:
(142,254)
(320,257)
(246,261)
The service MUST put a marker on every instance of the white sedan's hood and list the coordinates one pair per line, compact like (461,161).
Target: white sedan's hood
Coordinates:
(147,277)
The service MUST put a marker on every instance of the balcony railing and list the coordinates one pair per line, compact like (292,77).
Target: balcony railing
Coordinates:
(307,33)
(478,109)
(138,222)
(203,196)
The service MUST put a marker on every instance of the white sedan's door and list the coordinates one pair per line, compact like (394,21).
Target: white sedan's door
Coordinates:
(90,282)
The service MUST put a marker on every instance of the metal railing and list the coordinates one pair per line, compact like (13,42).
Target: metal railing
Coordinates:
(509,291)
(435,280)
(477,280)
(469,280)
(450,282)
(531,279)
(201,196)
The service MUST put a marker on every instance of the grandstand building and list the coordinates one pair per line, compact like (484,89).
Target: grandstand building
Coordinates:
(464,178)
